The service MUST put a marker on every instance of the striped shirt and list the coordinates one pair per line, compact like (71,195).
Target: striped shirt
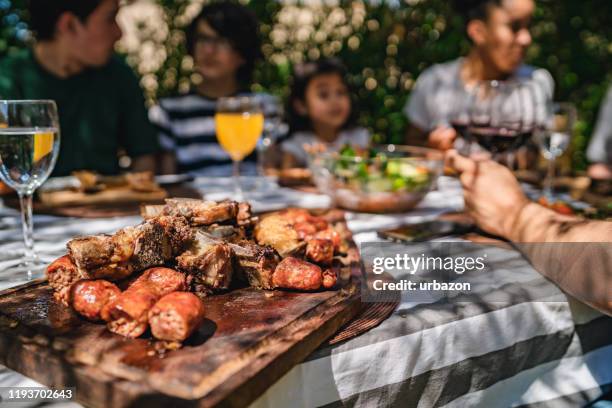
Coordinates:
(186,126)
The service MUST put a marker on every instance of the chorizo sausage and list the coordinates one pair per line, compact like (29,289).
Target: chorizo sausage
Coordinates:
(89,297)
(61,274)
(175,316)
(293,273)
(127,315)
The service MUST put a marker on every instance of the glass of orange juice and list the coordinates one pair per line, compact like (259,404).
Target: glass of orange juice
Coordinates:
(239,122)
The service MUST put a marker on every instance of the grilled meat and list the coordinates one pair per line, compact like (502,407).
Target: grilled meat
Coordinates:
(209,262)
(290,231)
(277,231)
(329,278)
(88,297)
(197,212)
(62,274)
(320,251)
(255,263)
(175,316)
(127,314)
(293,273)
(131,249)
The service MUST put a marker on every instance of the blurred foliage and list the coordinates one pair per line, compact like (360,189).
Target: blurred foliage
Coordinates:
(385,46)
(13,27)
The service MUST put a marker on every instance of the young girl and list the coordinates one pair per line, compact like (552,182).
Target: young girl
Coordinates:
(321,110)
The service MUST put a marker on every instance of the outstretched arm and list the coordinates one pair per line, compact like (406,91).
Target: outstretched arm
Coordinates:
(495,199)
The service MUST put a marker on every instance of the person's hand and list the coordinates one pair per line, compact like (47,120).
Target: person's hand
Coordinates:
(493,196)
(442,138)
(600,171)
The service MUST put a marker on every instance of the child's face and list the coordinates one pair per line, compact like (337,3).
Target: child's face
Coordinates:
(327,101)
(214,57)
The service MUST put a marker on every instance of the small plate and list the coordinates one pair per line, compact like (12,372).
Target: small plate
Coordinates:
(172,179)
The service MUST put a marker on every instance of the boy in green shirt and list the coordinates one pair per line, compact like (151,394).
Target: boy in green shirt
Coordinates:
(100,103)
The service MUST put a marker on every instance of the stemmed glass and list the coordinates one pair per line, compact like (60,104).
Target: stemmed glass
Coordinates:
(29,146)
(460,102)
(273,121)
(554,138)
(239,122)
(503,116)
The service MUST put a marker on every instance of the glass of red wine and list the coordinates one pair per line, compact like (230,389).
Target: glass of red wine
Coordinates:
(502,117)
(460,107)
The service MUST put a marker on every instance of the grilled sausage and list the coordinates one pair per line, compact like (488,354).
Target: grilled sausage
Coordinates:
(127,314)
(293,273)
(88,297)
(163,280)
(175,316)
(61,274)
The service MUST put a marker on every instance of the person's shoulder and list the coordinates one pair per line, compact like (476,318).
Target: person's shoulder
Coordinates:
(301,135)
(118,66)
(444,71)
(537,74)
(187,102)
(357,135)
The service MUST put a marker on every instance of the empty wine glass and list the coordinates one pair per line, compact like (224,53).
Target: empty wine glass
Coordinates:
(266,147)
(554,138)
(29,146)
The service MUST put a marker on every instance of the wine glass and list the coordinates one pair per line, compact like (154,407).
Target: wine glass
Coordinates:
(266,147)
(554,138)
(504,115)
(459,108)
(29,146)
(239,122)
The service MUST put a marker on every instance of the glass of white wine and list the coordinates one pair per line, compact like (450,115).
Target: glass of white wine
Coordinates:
(29,146)
(554,138)
(239,122)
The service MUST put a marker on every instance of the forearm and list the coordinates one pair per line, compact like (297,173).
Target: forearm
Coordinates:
(535,223)
(575,254)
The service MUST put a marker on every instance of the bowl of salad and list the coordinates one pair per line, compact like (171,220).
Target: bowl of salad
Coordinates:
(380,179)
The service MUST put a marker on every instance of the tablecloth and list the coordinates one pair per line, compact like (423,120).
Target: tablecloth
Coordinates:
(485,352)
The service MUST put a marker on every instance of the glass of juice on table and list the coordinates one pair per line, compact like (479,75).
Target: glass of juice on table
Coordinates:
(239,122)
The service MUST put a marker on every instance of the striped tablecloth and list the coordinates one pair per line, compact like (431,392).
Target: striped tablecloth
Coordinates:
(485,352)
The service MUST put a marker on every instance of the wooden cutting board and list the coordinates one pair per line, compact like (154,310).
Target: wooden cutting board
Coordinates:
(250,338)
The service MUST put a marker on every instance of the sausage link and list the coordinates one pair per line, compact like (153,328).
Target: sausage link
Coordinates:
(175,316)
(127,315)
(90,296)
(293,273)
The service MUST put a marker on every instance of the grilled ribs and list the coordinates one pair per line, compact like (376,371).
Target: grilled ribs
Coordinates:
(209,262)
(213,261)
(154,242)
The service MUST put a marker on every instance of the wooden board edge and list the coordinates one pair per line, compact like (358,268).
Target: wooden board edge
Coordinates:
(23,286)
(273,361)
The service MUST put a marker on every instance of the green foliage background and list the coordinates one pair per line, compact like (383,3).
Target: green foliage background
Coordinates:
(385,46)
